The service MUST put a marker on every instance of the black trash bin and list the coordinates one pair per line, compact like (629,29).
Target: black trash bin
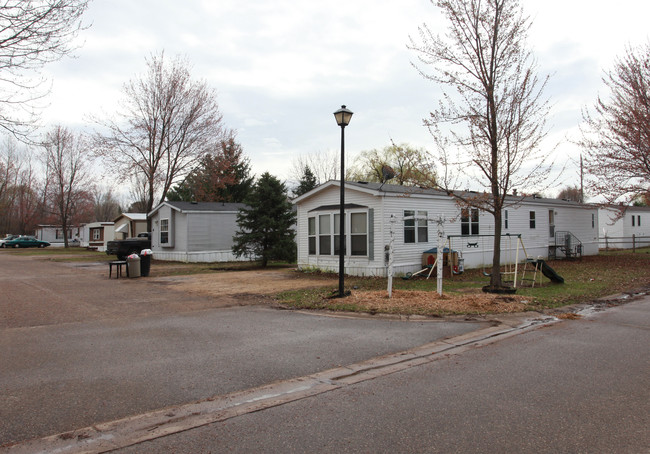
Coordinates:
(145,262)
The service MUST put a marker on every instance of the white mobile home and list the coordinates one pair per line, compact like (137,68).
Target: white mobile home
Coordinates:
(194,231)
(53,234)
(129,225)
(546,226)
(96,235)
(618,225)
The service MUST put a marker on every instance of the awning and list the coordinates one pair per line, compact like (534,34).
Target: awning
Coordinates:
(122,229)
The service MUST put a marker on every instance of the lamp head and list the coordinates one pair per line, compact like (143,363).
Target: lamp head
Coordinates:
(343,116)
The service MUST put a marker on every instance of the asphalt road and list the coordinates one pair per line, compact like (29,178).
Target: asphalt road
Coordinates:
(77,349)
(578,386)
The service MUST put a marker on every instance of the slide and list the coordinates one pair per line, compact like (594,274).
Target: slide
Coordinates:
(550,273)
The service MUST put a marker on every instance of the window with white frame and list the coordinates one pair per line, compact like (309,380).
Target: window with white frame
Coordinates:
(416,230)
(164,231)
(324,234)
(359,234)
(469,221)
(505,219)
(531,219)
(311,235)
(326,228)
(97,234)
(336,229)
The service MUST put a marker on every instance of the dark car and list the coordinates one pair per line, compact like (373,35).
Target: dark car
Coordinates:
(26,241)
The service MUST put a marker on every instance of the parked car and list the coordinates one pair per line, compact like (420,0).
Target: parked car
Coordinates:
(26,241)
(7,238)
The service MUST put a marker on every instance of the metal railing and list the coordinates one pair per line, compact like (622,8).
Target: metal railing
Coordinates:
(567,245)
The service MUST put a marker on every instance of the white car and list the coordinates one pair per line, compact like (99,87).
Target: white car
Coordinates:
(7,238)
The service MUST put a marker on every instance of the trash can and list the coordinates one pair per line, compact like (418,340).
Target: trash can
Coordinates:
(145,262)
(133,265)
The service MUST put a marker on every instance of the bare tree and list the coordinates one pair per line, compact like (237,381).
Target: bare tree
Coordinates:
(65,157)
(323,164)
(168,122)
(616,135)
(410,166)
(105,206)
(20,189)
(572,193)
(492,114)
(32,34)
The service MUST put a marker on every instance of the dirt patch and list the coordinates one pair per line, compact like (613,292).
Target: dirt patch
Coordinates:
(568,316)
(430,302)
(259,282)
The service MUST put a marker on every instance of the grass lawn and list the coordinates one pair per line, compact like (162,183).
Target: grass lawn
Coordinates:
(585,280)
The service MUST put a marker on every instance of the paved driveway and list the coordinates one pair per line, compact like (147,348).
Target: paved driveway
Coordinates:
(78,348)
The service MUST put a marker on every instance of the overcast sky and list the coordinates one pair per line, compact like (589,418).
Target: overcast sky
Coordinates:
(282,68)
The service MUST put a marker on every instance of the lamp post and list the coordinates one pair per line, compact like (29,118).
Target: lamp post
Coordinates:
(342,116)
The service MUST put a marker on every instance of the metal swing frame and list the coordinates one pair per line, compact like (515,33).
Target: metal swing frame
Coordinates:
(519,243)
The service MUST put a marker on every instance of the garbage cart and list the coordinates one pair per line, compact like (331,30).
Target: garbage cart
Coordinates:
(133,265)
(145,262)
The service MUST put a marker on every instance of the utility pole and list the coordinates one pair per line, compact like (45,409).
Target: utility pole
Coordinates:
(582,188)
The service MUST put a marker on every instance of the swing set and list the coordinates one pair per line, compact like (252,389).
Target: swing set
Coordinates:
(511,244)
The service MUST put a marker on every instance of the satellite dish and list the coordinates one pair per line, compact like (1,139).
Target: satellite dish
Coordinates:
(387,173)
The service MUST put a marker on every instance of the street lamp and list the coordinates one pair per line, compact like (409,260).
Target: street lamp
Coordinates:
(342,116)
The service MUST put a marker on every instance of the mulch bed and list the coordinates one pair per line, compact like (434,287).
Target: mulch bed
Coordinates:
(423,302)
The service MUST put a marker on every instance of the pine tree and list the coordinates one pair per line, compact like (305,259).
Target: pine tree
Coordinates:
(223,176)
(307,182)
(266,227)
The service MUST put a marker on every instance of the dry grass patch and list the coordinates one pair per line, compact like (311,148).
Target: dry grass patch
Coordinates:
(423,302)
(568,316)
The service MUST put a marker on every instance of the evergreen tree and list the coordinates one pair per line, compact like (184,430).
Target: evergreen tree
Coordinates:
(266,227)
(223,176)
(307,182)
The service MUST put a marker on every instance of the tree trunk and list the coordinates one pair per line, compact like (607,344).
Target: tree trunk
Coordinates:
(495,279)
(64,226)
